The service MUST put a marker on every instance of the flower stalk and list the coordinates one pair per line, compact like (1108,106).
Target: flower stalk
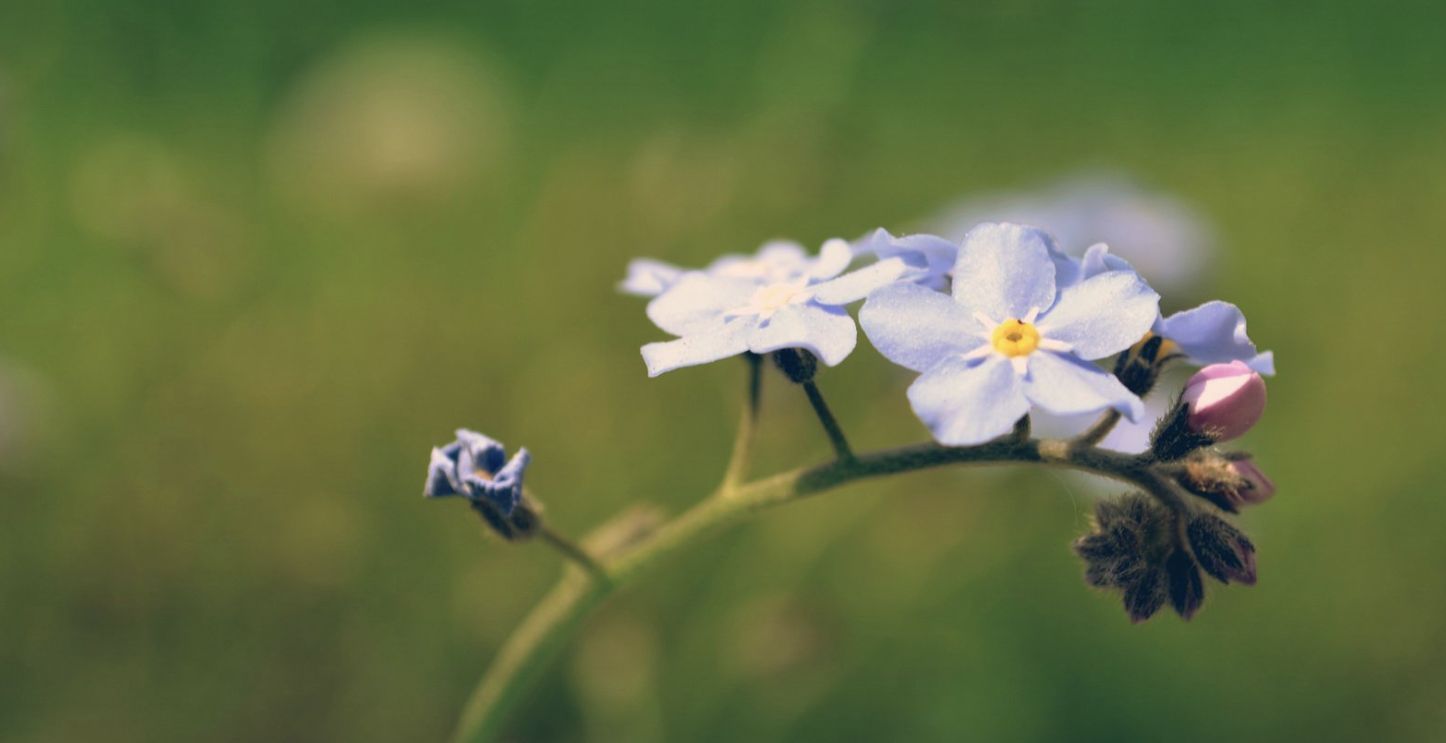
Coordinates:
(546,629)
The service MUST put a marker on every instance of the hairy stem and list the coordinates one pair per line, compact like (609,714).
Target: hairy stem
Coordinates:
(830,424)
(546,629)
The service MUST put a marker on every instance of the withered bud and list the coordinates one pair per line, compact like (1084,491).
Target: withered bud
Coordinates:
(1127,550)
(1187,588)
(1144,596)
(1222,550)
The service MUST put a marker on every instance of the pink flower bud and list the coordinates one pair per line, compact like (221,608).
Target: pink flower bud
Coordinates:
(1257,488)
(1224,400)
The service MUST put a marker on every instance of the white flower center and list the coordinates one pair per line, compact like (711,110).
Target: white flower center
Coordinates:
(1014,339)
(768,300)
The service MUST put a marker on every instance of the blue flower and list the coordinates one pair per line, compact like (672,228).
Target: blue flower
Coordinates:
(1010,337)
(476,468)
(779,299)
(1213,333)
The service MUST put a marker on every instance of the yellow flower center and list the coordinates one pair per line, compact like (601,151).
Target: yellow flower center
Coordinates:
(484,475)
(1015,338)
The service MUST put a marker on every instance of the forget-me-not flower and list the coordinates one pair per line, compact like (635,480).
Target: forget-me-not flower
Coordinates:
(476,468)
(780,299)
(1009,338)
(1213,333)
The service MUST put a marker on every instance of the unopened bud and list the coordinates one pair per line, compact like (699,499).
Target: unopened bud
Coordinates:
(1221,549)
(1229,484)
(1256,488)
(1224,400)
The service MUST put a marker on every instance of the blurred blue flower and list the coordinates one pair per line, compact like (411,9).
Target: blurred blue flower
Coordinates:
(1010,337)
(476,468)
(1167,239)
(779,299)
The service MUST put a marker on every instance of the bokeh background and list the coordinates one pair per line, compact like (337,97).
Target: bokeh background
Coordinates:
(256,258)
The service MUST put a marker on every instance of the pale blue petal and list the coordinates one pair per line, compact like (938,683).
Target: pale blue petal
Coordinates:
(441,476)
(853,286)
(916,327)
(826,332)
(940,255)
(723,340)
(965,404)
(1102,315)
(697,302)
(1067,385)
(1004,270)
(1263,363)
(649,278)
(778,260)
(511,474)
(478,452)
(1214,333)
(1098,259)
(1067,270)
(833,258)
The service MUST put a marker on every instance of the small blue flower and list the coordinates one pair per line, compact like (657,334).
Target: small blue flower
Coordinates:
(1213,333)
(1010,337)
(779,299)
(476,468)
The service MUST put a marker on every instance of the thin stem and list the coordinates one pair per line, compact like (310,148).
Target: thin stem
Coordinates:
(747,424)
(573,552)
(545,630)
(830,424)
(1099,430)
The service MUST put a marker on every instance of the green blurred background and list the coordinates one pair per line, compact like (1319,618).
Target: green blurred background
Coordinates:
(256,258)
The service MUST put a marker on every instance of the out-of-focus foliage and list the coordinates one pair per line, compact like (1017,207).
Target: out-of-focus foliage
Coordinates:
(256,258)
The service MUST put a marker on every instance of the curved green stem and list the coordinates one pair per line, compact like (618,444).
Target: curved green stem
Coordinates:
(748,423)
(546,629)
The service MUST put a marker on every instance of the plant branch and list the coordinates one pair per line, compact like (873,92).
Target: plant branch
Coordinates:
(554,619)
(747,425)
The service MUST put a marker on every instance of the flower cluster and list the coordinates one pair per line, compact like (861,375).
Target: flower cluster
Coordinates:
(997,325)
(1000,326)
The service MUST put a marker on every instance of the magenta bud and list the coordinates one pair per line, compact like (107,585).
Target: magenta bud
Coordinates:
(1257,488)
(1224,400)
